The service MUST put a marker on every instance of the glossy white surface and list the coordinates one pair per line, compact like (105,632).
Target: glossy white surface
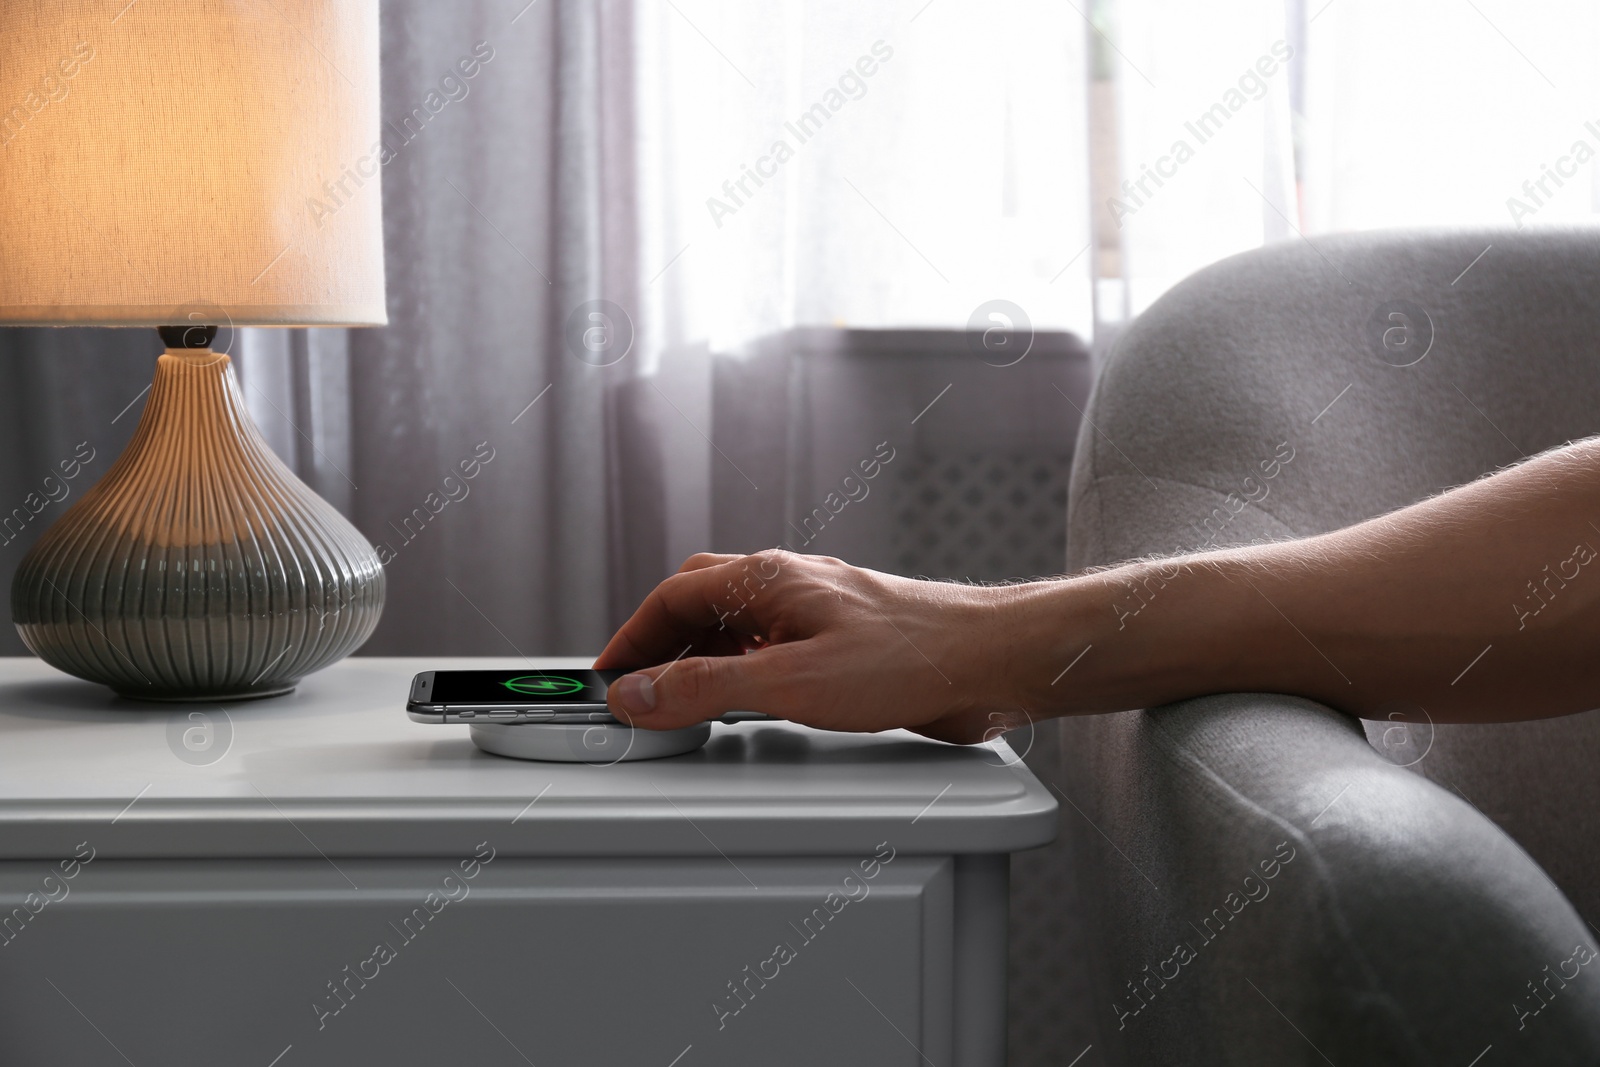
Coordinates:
(339,764)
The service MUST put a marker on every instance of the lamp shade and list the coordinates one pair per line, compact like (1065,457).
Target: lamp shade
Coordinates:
(185,161)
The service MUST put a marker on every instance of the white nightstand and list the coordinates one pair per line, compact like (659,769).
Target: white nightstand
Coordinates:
(315,879)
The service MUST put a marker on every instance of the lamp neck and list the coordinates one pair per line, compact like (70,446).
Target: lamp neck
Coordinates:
(189,336)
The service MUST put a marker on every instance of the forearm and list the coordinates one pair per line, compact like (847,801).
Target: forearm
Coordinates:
(1480,604)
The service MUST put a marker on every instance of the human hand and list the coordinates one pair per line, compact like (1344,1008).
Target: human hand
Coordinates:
(816,641)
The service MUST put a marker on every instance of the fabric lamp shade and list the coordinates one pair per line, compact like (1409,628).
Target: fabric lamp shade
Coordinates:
(168,162)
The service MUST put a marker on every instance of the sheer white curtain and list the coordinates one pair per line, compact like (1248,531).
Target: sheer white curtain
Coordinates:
(1205,156)
(1437,112)
(818,162)
(1432,113)
(957,171)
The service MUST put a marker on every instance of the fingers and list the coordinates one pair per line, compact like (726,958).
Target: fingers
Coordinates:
(682,613)
(673,617)
(701,560)
(698,688)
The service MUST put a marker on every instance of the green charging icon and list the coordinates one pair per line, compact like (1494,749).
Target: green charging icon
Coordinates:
(543,685)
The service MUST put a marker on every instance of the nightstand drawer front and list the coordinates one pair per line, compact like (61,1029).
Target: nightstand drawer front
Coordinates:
(493,960)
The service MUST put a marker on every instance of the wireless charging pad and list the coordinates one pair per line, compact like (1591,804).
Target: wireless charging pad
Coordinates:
(585,743)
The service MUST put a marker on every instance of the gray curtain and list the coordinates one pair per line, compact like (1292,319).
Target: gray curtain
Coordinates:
(495,236)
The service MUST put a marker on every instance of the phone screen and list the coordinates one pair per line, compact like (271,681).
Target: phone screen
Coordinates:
(551,688)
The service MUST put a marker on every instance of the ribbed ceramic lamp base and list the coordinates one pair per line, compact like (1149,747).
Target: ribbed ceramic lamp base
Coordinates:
(199,567)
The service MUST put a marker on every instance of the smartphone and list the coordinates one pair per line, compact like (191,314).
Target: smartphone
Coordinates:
(526,696)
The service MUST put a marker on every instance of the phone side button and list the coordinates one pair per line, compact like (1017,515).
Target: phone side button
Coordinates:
(538,716)
(465,713)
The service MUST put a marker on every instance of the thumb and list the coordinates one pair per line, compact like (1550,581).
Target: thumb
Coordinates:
(695,689)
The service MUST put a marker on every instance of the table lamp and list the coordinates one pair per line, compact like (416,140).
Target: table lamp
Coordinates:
(193,165)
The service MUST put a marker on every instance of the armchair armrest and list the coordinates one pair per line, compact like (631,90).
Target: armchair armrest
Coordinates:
(1287,895)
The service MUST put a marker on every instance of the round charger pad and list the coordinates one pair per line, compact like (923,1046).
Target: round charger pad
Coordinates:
(584,742)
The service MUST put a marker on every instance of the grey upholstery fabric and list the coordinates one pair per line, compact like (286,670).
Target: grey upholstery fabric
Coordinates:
(1408,927)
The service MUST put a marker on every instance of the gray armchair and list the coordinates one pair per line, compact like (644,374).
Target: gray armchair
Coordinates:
(1263,880)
